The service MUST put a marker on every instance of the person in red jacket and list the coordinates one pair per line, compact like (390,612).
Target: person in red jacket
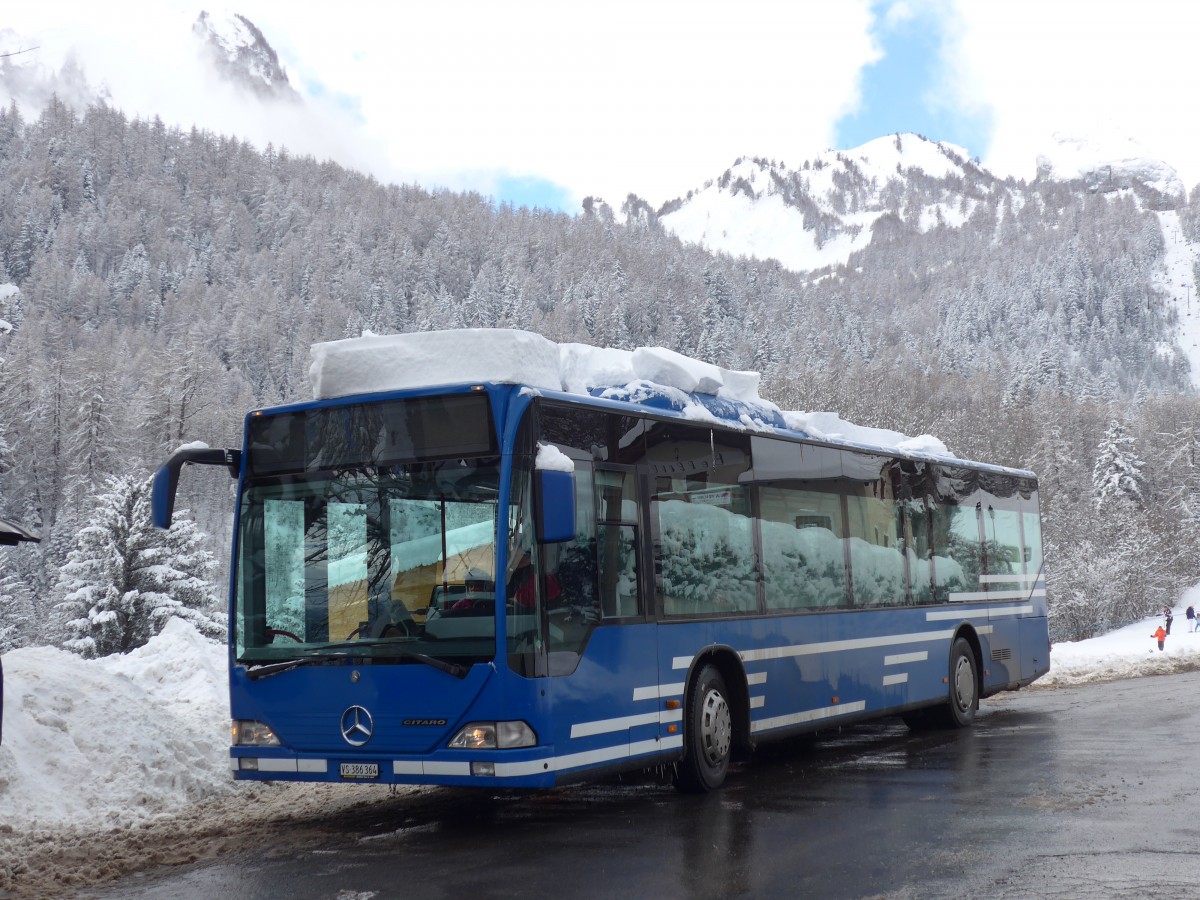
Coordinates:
(1161,636)
(522,586)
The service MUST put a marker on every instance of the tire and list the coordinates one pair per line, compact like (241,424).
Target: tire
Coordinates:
(963,702)
(707,734)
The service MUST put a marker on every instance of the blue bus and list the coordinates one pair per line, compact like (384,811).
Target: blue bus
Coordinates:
(501,585)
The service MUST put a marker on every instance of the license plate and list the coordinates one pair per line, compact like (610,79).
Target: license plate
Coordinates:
(360,770)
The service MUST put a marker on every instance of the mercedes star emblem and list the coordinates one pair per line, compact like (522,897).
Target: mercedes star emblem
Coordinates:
(357,726)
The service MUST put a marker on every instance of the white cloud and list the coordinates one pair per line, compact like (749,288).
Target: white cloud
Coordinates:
(603,98)
(1108,67)
(626,96)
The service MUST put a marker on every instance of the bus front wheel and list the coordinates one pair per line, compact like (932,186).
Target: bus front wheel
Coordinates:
(707,734)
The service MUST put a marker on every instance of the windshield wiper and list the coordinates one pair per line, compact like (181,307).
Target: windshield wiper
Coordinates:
(404,652)
(401,652)
(277,667)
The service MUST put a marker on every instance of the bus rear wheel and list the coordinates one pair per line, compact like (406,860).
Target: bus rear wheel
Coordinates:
(707,734)
(963,703)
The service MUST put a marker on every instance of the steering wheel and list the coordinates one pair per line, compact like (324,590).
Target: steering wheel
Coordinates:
(273,633)
(390,629)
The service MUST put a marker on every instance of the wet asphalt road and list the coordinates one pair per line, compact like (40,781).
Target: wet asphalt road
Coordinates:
(1074,793)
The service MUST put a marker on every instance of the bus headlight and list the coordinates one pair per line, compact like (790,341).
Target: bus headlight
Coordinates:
(493,736)
(247,733)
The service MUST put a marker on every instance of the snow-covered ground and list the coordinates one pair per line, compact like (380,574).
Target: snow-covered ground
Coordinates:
(1178,280)
(113,764)
(1128,652)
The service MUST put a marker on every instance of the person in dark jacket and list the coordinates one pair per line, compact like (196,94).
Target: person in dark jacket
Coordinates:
(1168,615)
(1191,617)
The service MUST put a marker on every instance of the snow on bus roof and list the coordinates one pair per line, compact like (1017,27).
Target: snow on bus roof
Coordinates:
(376,363)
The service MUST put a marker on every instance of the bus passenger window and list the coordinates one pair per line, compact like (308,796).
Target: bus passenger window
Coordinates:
(706,549)
(957,558)
(876,563)
(705,558)
(616,542)
(618,570)
(1031,529)
(804,560)
(918,549)
(1004,557)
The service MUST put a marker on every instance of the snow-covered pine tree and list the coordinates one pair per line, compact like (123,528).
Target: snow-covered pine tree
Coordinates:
(1117,474)
(16,613)
(125,578)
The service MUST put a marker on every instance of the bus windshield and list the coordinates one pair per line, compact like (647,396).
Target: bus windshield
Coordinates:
(389,560)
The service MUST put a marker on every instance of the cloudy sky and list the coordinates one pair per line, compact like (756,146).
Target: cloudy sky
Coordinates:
(545,102)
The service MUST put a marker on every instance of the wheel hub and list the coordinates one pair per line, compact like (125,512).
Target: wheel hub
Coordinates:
(964,684)
(716,728)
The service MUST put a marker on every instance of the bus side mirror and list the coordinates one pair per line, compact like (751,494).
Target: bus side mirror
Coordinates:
(166,479)
(555,506)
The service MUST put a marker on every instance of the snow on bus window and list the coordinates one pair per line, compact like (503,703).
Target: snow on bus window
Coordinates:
(804,560)
(706,552)
(876,563)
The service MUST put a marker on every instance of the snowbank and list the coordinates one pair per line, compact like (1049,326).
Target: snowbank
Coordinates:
(114,741)
(1126,653)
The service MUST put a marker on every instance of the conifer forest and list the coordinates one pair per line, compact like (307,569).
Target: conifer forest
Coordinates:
(156,284)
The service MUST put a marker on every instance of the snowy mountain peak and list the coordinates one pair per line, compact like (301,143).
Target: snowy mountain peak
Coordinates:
(1108,164)
(839,202)
(242,55)
(833,205)
(890,155)
(82,66)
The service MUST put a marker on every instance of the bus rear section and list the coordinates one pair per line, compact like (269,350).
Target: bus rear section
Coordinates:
(792,585)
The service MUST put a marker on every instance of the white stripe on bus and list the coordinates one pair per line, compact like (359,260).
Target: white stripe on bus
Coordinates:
(848,644)
(900,659)
(658,691)
(973,596)
(766,653)
(899,678)
(983,612)
(587,757)
(266,764)
(757,702)
(1001,579)
(756,678)
(429,767)
(809,715)
(623,723)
